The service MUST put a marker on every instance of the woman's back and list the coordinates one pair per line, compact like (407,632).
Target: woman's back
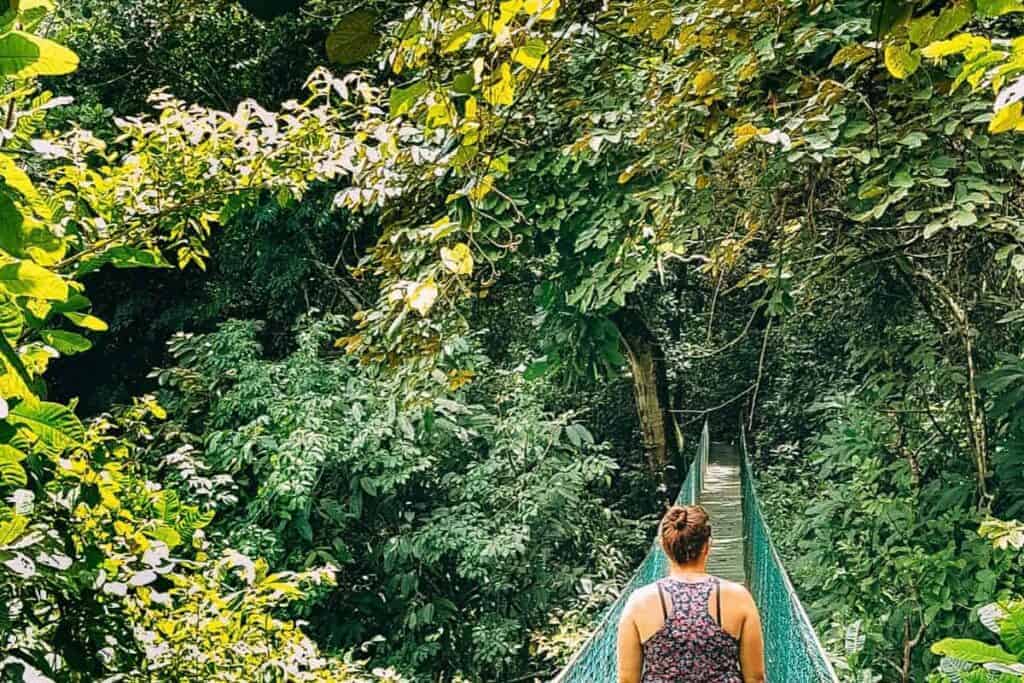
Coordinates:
(690,627)
(691,646)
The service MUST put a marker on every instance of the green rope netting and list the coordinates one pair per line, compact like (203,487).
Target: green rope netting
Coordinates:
(791,647)
(792,651)
(595,661)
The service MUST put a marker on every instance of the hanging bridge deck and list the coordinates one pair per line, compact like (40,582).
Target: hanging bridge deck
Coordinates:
(723,499)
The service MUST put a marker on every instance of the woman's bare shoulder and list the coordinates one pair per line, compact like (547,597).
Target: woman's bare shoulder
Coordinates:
(736,591)
(642,599)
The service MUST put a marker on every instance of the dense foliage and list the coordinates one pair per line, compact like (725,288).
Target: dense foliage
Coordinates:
(360,343)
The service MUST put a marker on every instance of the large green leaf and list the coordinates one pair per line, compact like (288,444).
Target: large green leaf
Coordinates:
(15,380)
(53,424)
(122,257)
(995,8)
(12,473)
(353,38)
(973,651)
(11,529)
(23,55)
(1011,628)
(25,278)
(24,236)
(11,321)
(66,342)
(402,100)
(87,321)
(888,14)
(8,13)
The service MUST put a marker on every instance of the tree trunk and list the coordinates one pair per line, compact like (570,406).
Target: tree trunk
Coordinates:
(973,407)
(650,389)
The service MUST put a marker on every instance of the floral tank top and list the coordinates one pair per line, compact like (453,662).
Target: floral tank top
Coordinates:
(692,647)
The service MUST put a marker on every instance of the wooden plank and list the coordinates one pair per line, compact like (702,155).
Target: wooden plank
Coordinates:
(722,498)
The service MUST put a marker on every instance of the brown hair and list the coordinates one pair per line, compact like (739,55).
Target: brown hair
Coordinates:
(685,530)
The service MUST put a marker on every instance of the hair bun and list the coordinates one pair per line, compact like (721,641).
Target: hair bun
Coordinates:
(685,530)
(680,521)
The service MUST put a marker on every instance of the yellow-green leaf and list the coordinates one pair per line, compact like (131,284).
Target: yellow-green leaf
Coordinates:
(68,343)
(402,100)
(460,37)
(24,278)
(702,81)
(53,425)
(12,320)
(900,61)
(89,322)
(1007,118)
(11,529)
(954,46)
(547,10)
(501,88)
(422,296)
(23,55)
(532,55)
(851,54)
(458,259)
(995,8)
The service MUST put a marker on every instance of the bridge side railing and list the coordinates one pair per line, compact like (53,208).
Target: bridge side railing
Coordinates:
(793,653)
(595,661)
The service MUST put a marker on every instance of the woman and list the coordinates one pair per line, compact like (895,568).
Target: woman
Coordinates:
(690,627)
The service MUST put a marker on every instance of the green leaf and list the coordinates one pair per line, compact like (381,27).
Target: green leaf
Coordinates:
(951,19)
(53,424)
(460,37)
(23,55)
(25,278)
(68,343)
(973,651)
(532,55)
(353,39)
(8,13)
(535,370)
(123,257)
(889,14)
(168,535)
(995,8)
(11,321)
(168,505)
(11,529)
(964,218)
(900,61)
(1011,628)
(86,321)
(402,100)
(12,473)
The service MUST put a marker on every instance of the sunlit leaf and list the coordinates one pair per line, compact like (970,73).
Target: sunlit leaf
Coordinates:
(900,61)
(24,278)
(23,55)
(458,259)
(422,296)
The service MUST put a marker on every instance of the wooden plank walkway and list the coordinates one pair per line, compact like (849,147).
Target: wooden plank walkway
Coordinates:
(722,498)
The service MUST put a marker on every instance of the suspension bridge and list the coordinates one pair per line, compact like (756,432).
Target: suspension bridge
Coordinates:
(719,478)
